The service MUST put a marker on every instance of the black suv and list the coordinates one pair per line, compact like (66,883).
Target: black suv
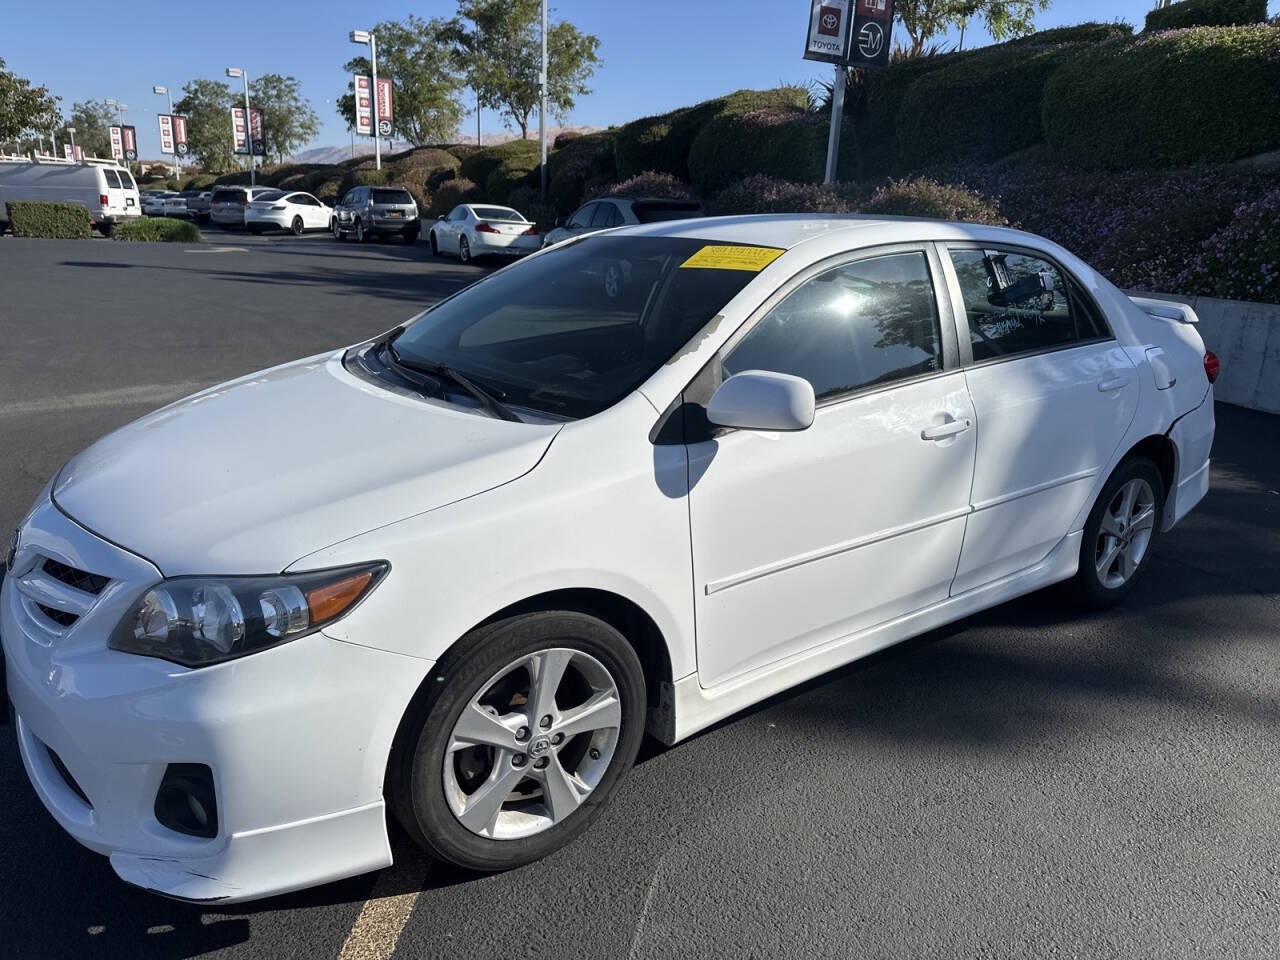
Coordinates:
(377,212)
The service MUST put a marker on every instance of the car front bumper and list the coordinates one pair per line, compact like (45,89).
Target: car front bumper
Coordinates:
(296,738)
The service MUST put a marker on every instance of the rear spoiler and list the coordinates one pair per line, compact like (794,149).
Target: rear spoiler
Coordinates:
(1166,310)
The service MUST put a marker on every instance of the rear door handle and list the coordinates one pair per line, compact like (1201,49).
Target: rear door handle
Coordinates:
(1106,386)
(944,431)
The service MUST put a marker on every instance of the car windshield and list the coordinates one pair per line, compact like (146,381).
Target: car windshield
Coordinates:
(392,196)
(574,330)
(497,213)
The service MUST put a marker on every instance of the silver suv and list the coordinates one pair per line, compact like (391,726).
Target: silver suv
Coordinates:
(227,204)
(377,212)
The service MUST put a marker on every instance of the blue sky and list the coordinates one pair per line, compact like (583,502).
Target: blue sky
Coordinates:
(656,55)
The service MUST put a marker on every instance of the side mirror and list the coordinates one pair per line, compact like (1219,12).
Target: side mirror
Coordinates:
(441,217)
(760,400)
(560,222)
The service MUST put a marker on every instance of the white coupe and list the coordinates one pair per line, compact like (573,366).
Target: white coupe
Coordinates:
(500,542)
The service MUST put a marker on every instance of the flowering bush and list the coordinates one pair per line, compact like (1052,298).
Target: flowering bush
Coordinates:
(647,184)
(761,194)
(1242,260)
(928,198)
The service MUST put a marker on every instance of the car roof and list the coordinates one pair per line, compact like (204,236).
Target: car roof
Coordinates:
(788,230)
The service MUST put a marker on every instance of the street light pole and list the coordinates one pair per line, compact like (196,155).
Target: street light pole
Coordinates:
(248,121)
(837,121)
(71,132)
(542,103)
(177,164)
(366,36)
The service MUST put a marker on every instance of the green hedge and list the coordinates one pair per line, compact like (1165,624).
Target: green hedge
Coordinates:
(576,162)
(787,143)
(1080,33)
(68,221)
(158,230)
(662,143)
(876,117)
(1207,13)
(478,165)
(981,108)
(202,181)
(1206,95)
(513,172)
(450,194)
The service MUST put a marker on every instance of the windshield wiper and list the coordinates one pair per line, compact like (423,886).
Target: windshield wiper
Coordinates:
(488,399)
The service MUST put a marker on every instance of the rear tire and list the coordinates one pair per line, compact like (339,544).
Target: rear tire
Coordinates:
(464,250)
(438,793)
(103,228)
(1119,535)
(296,226)
(410,236)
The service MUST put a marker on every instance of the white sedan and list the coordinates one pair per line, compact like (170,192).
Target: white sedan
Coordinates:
(480,230)
(295,212)
(164,204)
(507,537)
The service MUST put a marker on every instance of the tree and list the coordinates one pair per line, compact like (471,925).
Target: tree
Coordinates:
(287,119)
(418,56)
(25,111)
(925,19)
(504,50)
(92,120)
(207,105)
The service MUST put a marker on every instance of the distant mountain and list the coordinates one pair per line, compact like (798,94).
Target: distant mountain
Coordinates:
(365,148)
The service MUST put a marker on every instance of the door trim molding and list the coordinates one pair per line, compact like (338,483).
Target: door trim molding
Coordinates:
(823,553)
(1038,488)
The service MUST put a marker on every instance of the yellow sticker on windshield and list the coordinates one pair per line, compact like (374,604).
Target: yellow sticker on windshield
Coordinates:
(751,259)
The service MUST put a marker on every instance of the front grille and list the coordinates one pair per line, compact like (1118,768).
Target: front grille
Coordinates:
(66,776)
(79,579)
(59,617)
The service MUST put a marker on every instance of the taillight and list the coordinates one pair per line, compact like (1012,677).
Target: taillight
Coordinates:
(103,199)
(1212,366)
(531,232)
(484,228)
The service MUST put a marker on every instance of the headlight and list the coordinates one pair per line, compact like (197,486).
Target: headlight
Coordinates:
(197,621)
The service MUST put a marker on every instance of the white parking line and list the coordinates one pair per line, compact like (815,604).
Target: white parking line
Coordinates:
(154,393)
(382,918)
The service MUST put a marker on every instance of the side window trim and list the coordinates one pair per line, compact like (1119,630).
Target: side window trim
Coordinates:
(947,322)
(1075,290)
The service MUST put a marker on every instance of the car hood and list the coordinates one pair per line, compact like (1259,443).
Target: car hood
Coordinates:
(249,476)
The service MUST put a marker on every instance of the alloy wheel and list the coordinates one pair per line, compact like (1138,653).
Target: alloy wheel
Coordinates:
(533,743)
(464,250)
(297,226)
(359,231)
(1128,523)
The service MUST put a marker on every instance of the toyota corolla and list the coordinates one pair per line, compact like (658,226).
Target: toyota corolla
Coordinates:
(453,574)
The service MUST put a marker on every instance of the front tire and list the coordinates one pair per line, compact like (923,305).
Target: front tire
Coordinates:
(337,230)
(1120,533)
(435,247)
(361,236)
(527,729)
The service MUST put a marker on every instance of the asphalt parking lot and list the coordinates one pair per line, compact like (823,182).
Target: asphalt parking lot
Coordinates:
(1030,782)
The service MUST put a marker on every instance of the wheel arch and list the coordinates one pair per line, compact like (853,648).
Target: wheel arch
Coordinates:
(623,614)
(1163,452)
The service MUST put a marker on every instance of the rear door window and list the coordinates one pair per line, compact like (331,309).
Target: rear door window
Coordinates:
(126,180)
(604,216)
(583,217)
(1017,303)
(113,181)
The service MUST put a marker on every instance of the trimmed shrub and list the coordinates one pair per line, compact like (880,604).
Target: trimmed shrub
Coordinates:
(1080,33)
(238,178)
(450,194)
(528,200)
(463,150)
(1167,100)
(66,221)
(784,142)
(327,188)
(569,169)
(478,165)
(762,194)
(1242,260)
(201,181)
(876,113)
(982,108)
(564,138)
(663,142)
(1207,13)
(928,198)
(512,172)
(439,176)
(649,184)
(158,230)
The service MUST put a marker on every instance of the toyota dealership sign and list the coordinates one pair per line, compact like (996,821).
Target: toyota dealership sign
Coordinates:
(852,33)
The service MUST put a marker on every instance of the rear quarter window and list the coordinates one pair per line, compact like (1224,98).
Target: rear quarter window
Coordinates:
(112,179)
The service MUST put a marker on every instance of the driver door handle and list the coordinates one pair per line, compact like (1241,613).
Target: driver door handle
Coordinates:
(1117,383)
(945,431)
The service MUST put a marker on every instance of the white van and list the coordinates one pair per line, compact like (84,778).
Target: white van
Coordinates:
(104,188)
